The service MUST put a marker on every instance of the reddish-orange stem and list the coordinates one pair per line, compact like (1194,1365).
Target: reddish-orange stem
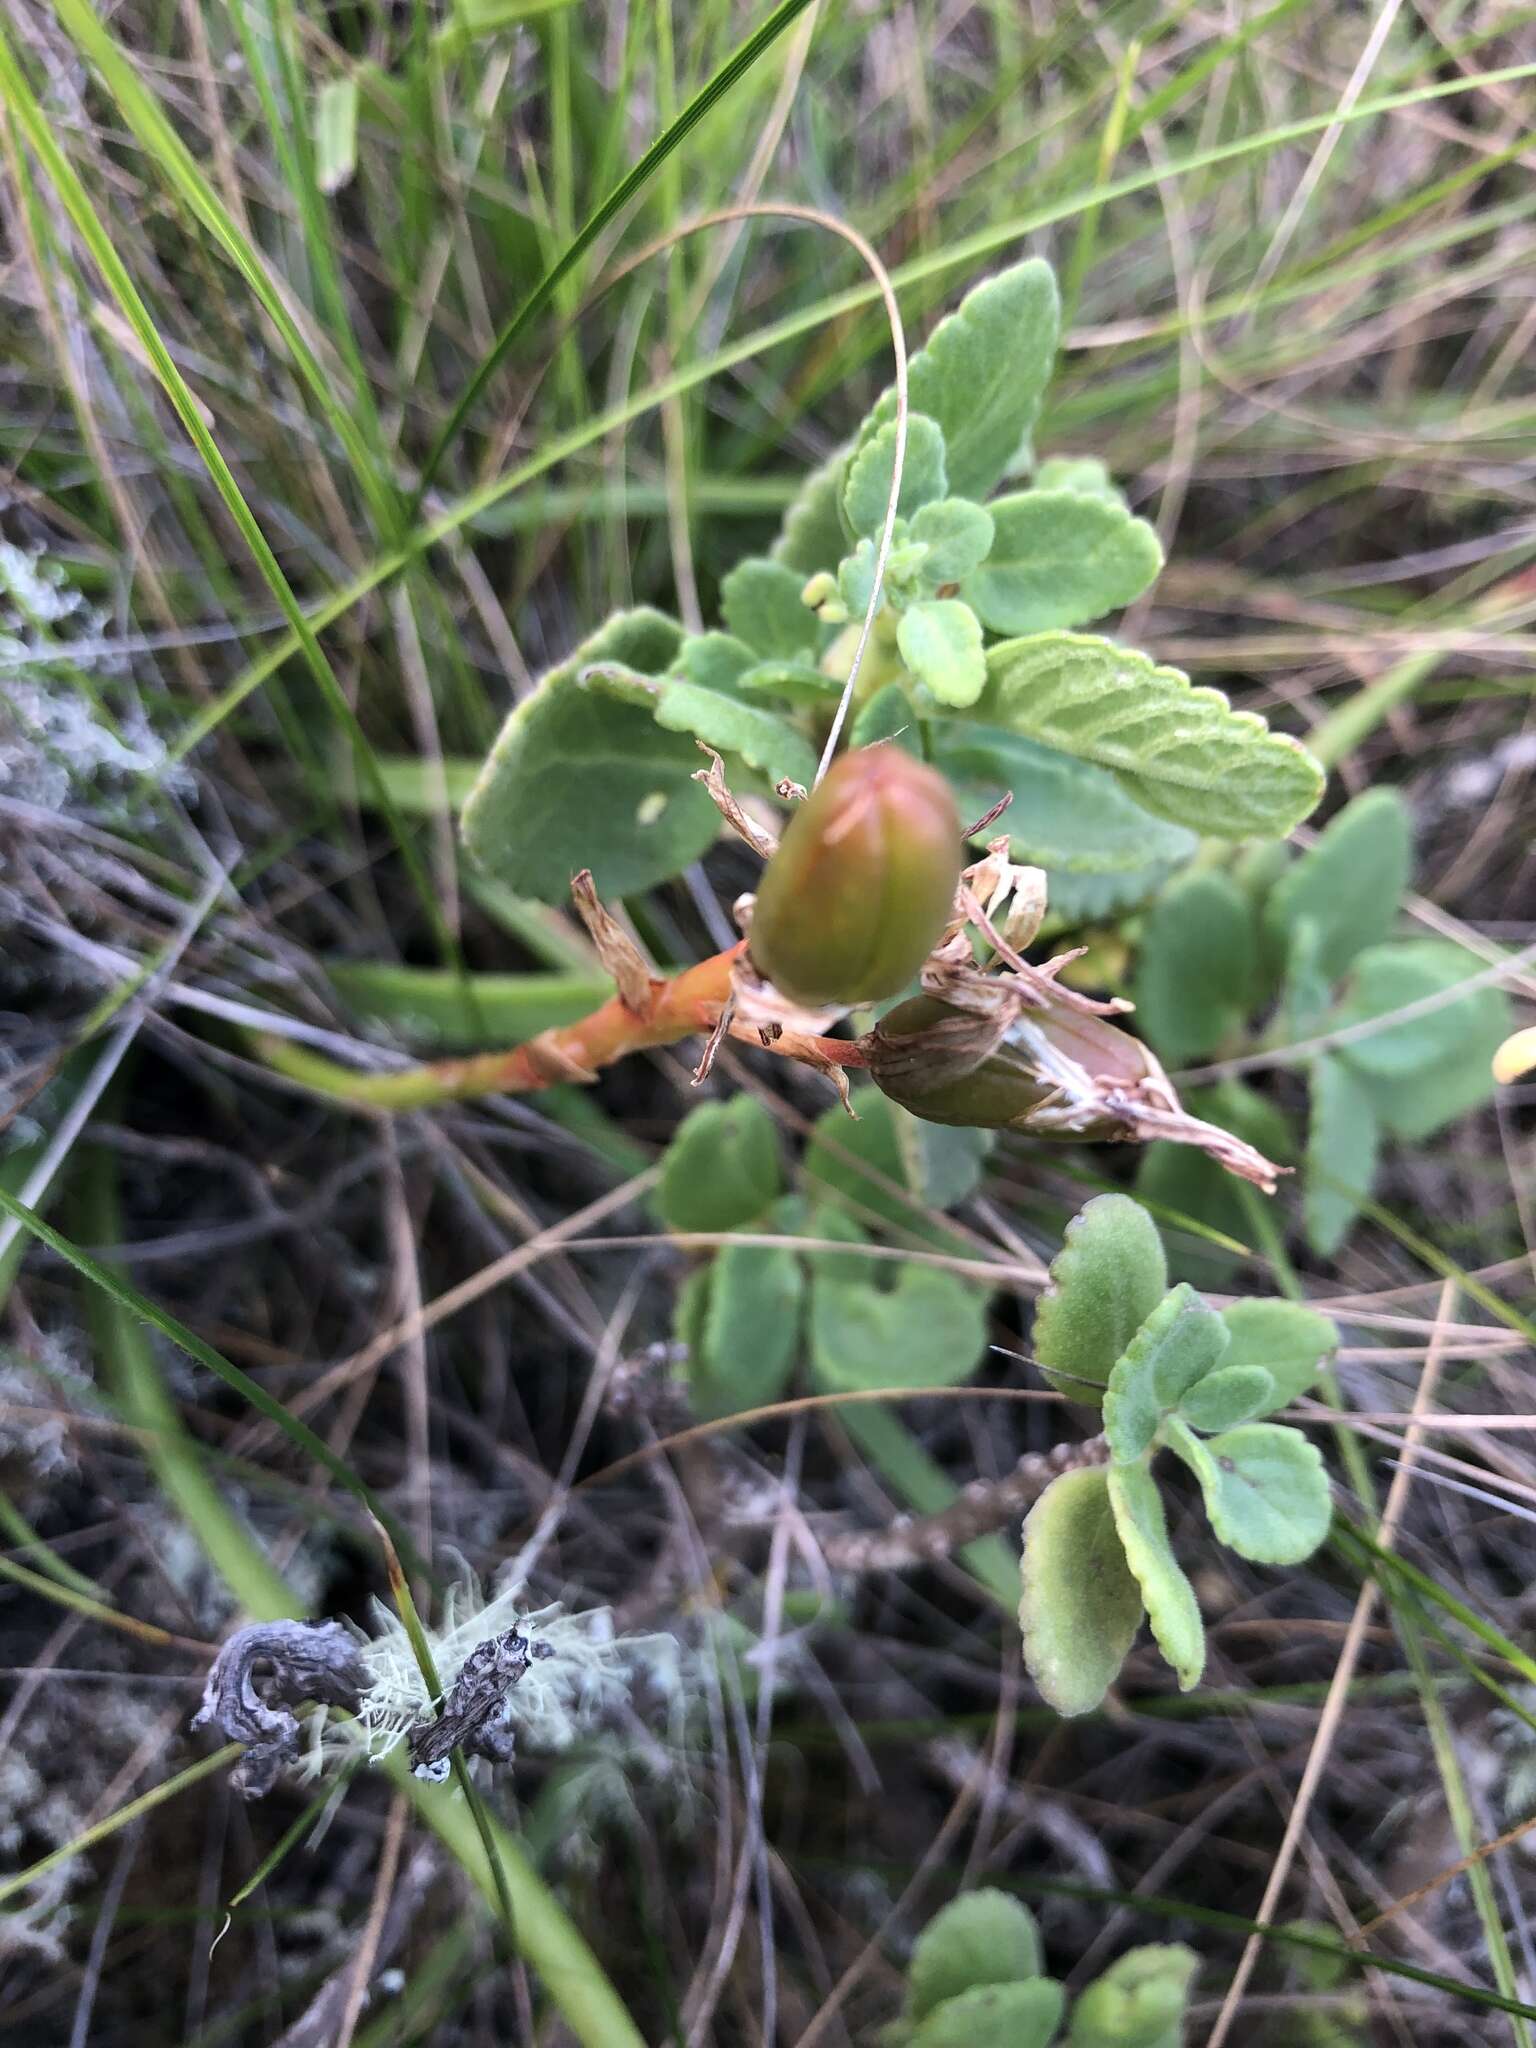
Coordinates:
(687,1006)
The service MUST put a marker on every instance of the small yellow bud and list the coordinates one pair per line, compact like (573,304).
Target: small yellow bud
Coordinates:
(1516,1056)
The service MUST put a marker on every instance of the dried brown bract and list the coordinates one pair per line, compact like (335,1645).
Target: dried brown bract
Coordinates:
(470,1718)
(261,1674)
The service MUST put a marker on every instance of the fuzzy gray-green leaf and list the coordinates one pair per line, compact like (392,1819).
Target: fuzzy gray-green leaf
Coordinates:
(940,641)
(760,603)
(982,1937)
(1195,969)
(1342,1139)
(923,476)
(1066,815)
(867,1167)
(1023,2015)
(1180,752)
(721,1169)
(1265,1487)
(1108,1277)
(1179,1343)
(1087,475)
(758,736)
(577,780)
(746,1332)
(1233,1394)
(1350,882)
(1432,1067)
(1060,559)
(888,716)
(800,683)
(1289,1341)
(1170,1599)
(928,1330)
(811,536)
(983,373)
(1139,2002)
(957,535)
(1081,1605)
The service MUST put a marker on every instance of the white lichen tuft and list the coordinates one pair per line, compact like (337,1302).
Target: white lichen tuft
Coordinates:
(583,1678)
(38,1392)
(59,743)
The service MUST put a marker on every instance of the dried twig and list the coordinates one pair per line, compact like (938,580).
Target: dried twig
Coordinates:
(981,1507)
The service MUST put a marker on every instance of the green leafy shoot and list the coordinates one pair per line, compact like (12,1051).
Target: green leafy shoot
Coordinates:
(1115,763)
(1301,951)
(1184,1377)
(1108,1277)
(976,1976)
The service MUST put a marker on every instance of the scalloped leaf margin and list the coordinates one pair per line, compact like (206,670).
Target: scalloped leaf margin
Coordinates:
(1178,750)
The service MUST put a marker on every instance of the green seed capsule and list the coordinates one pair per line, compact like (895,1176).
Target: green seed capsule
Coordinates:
(944,1065)
(863,883)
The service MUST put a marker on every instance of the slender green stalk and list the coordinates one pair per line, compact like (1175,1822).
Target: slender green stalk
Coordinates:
(536,1925)
(103,1830)
(128,1297)
(27,1540)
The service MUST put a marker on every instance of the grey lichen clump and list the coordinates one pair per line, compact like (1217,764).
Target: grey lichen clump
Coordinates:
(271,1667)
(504,1673)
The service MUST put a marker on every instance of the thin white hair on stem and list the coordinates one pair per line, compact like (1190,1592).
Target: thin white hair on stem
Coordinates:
(1480,1493)
(783,209)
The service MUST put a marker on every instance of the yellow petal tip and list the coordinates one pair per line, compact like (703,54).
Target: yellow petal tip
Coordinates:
(1515,1057)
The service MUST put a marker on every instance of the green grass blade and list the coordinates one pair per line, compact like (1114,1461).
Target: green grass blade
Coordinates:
(88,224)
(128,1297)
(1388,1565)
(670,139)
(129,1365)
(26,1539)
(165,148)
(535,1923)
(105,1829)
(963,254)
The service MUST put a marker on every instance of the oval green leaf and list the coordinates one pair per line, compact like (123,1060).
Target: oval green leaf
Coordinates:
(1179,1343)
(1289,1341)
(1081,1606)
(1060,558)
(983,1937)
(1266,1490)
(1180,752)
(1170,1599)
(1222,1399)
(1105,1281)
(721,1169)
(578,780)
(1021,2015)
